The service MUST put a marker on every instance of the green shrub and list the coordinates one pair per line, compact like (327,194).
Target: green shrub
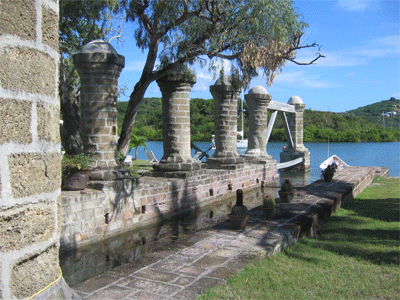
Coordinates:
(268,202)
(287,187)
(79,161)
(239,211)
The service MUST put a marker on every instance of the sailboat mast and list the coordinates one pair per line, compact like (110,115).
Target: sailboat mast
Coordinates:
(242,115)
(328,146)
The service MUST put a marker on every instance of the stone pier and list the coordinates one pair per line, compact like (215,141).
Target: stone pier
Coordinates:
(226,97)
(258,100)
(175,89)
(295,148)
(207,258)
(99,67)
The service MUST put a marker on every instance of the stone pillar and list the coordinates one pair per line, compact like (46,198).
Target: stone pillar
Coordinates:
(226,97)
(296,126)
(30,158)
(99,67)
(175,89)
(258,100)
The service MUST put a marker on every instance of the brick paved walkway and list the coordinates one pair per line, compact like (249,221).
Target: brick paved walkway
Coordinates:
(209,257)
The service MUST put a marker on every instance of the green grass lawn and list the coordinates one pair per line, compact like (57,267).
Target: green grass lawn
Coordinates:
(355,257)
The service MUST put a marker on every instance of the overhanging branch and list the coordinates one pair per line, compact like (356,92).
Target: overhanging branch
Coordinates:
(308,63)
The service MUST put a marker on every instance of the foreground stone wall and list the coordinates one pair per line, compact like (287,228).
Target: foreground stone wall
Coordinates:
(30,161)
(92,215)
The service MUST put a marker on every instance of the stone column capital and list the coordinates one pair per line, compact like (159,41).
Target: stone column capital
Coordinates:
(224,85)
(297,102)
(96,53)
(261,98)
(176,79)
(299,107)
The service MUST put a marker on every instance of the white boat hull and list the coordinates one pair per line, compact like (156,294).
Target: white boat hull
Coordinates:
(242,144)
(334,160)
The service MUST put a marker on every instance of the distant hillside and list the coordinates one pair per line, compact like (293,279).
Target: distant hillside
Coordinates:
(386,113)
(364,124)
(377,109)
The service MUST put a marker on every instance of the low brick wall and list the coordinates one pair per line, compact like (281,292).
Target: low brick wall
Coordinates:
(92,215)
(182,269)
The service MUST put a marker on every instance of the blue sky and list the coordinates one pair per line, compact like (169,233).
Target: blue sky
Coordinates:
(361,42)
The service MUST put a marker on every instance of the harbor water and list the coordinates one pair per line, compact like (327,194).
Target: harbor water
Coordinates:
(354,154)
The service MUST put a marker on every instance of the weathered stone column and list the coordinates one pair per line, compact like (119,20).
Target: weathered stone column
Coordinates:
(99,67)
(226,97)
(30,158)
(296,126)
(258,100)
(175,89)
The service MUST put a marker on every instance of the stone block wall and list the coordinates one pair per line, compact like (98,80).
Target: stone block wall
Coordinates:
(30,160)
(92,215)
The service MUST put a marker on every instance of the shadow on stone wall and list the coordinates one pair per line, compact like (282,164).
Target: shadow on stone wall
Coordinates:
(123,191)
(181,223)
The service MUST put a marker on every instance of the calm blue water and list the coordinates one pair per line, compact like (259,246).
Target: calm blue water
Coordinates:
(354,154)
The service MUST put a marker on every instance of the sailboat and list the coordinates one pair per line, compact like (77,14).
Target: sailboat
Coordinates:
(242,143)
(334,160)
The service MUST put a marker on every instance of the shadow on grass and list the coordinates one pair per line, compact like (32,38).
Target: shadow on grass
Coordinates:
(361,232)
(356,250)
(379,209)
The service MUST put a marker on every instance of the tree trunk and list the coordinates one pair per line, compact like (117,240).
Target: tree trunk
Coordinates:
(130,114)
(69,131)
(137,97)
(70,135)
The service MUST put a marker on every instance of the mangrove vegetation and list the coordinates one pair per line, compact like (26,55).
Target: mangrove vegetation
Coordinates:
(370,123)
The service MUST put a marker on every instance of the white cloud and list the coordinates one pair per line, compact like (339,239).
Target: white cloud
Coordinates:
(340,58)
(318,84)
(201,87)
(355,56)
(355,5)
(301,79)
(396,95)
(288,77)
(204,76)
(371,53)
(381,47)
(393,41)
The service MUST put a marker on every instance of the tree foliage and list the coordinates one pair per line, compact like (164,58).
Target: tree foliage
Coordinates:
(136,142)
(254,35)
(81,21)
(202,114)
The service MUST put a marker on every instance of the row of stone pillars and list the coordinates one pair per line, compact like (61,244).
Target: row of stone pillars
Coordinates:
(99,67)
